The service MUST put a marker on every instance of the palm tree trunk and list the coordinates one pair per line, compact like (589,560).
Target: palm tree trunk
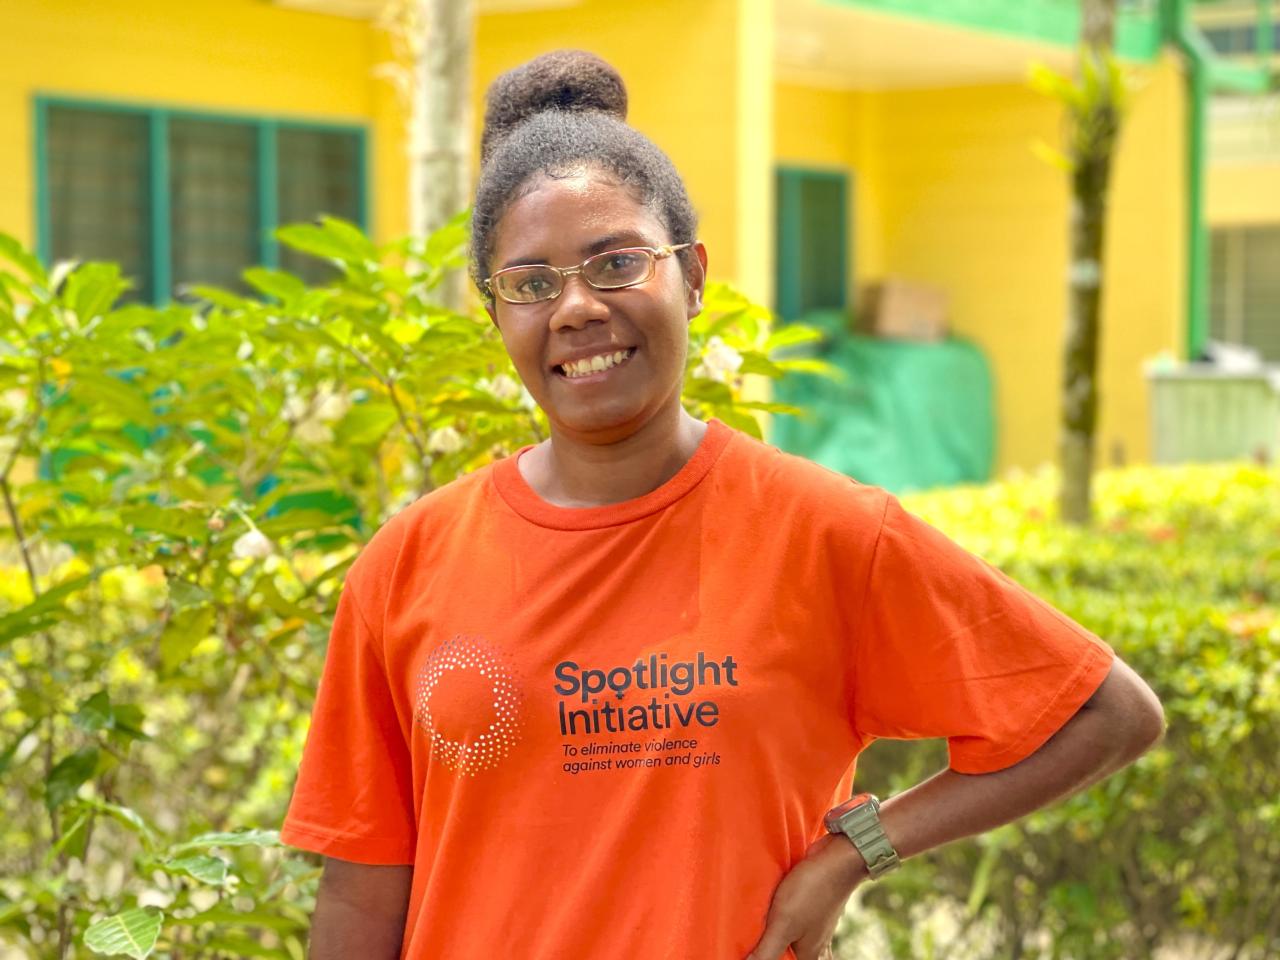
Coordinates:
(1094,141)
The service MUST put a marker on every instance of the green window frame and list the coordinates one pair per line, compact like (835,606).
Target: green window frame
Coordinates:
(257,145)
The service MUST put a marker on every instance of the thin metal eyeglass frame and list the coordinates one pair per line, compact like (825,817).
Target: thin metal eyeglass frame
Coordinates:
(655,254)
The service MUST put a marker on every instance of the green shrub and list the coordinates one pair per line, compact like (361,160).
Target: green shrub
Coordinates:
(187,485)
(1182,577)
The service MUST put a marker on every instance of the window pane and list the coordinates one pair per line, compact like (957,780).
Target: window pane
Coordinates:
(319,174)
(97,173)
(213,201)
(1262,291)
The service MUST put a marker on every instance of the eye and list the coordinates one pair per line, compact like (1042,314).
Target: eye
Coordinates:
(533,285)
(622,262)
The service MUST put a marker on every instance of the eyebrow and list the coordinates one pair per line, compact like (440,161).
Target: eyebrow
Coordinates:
(611,241)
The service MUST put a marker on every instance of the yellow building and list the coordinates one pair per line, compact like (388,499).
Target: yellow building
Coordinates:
(171,137)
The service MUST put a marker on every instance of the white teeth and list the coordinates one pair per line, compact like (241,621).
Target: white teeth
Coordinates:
(602,361)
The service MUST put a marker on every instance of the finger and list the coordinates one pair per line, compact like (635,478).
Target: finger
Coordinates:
(773,944)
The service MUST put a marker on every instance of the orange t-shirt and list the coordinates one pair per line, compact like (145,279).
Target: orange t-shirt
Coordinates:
(609,732)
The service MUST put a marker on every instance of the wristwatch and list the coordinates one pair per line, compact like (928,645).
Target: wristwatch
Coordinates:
(858,818)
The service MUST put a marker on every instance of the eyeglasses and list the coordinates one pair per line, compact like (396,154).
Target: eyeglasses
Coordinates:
(611,270)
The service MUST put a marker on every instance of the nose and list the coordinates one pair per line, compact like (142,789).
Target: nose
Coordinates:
(579,304)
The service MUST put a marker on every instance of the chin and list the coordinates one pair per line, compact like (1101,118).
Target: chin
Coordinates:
(608,421)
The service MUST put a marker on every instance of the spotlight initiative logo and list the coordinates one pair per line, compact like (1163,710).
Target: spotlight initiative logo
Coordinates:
(470,702)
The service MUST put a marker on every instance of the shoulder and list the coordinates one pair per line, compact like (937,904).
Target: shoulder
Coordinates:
(796,489)
(406,532)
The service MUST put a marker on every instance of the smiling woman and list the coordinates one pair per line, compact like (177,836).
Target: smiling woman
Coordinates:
(642,574)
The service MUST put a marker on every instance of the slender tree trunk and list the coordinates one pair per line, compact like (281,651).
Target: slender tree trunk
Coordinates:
(434,39)
(441,114)
(1093,143)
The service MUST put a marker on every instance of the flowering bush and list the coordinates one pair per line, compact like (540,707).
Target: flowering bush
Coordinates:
(183,488)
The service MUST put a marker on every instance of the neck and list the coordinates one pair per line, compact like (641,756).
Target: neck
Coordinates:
(570,471)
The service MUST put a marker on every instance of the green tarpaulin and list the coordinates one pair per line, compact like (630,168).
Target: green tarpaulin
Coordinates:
(904,415)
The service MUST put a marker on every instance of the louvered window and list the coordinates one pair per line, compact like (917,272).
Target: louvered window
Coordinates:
(1245,288)
(180,199)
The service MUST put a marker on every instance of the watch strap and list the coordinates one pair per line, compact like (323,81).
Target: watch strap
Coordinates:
(862,826)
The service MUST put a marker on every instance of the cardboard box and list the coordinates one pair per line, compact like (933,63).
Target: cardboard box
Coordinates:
(903,310)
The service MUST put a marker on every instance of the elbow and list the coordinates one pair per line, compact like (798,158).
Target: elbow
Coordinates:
(1144,719)
(1130,712)
(1149,726)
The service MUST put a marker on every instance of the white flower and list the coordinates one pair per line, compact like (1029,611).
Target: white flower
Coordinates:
(501,387)
(326,406)
(152,897)
(245,350)
(15,400)
(295,408)
(719,360)
(331,406)
(444,440)
(254,544)
(203,899)
(314,432)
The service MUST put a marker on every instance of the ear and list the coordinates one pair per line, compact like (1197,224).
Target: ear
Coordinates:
(489,308)
(695,280)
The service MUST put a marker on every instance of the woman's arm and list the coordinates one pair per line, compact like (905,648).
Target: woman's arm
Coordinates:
(1121,721)
(360,911)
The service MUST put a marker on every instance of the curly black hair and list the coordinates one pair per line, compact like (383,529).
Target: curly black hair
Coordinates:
(555,115)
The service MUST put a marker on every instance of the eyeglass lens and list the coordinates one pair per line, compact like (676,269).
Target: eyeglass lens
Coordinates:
(605,271)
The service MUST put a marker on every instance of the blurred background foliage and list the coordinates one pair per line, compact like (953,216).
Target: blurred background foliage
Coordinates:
(189,483)
(1177,856)
(184,487)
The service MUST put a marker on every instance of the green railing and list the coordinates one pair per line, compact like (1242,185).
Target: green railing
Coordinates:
(1138,30)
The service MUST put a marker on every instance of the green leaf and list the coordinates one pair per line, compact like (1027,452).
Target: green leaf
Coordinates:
(285,287)
(201,866)
(403,330)
(742,421)
(74,839)
(112,395)
(67,776)
(126,816)
(17,254)
(184,593)
(95,713)
(332,239)
(218,297)
(41,612)
(187,627)
(99,713)
(133,933)
(92,288)
(367,423)
(10,751)
(791,335)
(251,837)
(177,522)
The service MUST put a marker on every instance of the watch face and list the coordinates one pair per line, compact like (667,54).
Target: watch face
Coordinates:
(857,800)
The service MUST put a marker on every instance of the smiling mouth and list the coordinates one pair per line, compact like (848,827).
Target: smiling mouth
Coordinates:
(577,369)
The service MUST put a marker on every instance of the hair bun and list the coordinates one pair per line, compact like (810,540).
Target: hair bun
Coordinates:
(561,80)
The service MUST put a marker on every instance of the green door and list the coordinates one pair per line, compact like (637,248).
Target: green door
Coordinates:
(812,241)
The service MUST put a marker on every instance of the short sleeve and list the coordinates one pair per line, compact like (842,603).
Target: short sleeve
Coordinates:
(948,646)
(354,797)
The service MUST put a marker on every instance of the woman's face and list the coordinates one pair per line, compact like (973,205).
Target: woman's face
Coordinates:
(562,222)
